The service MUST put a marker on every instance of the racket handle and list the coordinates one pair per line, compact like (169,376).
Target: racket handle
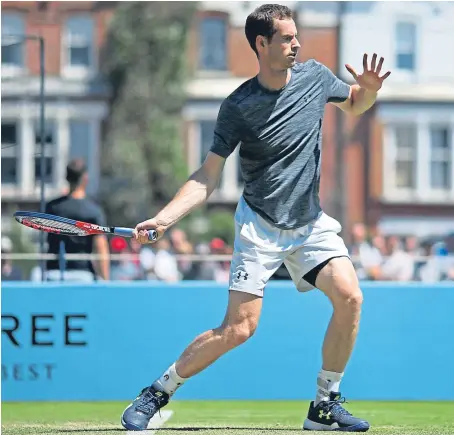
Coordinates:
(127,232)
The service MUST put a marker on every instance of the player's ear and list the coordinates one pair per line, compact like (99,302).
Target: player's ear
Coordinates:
(260,42)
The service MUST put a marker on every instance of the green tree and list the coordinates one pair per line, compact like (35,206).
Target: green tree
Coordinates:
(19,237)
(204,224)
(144,61)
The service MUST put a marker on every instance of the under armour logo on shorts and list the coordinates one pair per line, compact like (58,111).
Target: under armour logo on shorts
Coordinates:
(240,275)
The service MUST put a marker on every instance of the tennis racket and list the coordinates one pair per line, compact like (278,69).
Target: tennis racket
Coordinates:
(70,227)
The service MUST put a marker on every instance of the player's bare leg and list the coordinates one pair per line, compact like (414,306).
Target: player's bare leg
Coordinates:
(240,323)
(339,282)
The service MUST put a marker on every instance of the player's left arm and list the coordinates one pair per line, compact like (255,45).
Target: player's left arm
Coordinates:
(363,94)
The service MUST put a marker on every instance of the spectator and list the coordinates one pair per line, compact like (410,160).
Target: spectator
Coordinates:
(145,259)
(202,270)
(449,264)
(165,266)
(412,246)
(379,244)
(399,265)
(76,205)
(221,269)
(9,271)
(181,246)
(125,268)
(366,258)
(431,270)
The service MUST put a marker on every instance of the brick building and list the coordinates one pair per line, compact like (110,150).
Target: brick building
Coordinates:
(399,157)
(76,96)
(397,160)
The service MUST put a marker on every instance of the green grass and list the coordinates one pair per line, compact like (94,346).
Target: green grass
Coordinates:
(216,418)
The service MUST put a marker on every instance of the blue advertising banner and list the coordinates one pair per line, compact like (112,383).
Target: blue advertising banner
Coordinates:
(106,341)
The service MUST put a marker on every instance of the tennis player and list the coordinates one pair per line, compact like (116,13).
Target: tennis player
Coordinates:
(276,118)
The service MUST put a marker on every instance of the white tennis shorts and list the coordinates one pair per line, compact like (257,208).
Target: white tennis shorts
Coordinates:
(260,249)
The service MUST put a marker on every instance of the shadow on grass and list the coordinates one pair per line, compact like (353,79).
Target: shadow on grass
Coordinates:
(184,429)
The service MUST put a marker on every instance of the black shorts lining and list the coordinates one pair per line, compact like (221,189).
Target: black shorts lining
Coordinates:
(311,276)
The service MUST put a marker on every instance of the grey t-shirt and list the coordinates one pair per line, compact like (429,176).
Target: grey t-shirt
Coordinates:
(280,137)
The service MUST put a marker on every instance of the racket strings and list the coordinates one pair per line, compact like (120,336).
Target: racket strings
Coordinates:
(55,225)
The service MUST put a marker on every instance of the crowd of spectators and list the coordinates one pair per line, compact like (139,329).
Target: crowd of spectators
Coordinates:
(394,258)
(375,257)
(174,258)
(165,260)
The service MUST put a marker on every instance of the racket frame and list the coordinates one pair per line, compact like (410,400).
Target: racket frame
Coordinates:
(88,229)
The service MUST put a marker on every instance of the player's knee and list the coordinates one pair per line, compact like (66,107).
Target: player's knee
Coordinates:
(239,333)
(355,301)
(349,301)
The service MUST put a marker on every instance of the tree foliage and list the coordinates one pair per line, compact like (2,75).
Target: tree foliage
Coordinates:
(144,61)
(204,224)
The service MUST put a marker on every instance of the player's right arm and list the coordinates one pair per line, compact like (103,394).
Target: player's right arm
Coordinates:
(202,182)
(194,193)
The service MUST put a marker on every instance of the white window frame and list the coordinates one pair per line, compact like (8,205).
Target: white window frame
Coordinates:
(446,155)
(423,191)
(73,71)
(229,189)
(201,66)
(389,163)
(410,50)
(26,115)
(92,160)
(10,70)
(405,75)
(200,145)
(9,150)
(50,150)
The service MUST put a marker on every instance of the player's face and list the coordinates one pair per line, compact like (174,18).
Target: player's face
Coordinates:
(283,47)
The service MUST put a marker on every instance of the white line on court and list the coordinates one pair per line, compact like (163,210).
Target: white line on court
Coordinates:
(155,423)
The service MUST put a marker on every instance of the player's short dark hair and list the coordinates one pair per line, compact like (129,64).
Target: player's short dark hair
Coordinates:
(75,170)
(261,22)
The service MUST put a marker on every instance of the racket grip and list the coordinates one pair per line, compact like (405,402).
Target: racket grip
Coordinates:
(127,232)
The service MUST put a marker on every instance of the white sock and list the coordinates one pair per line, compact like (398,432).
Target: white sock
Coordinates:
(327,382)
(170,381)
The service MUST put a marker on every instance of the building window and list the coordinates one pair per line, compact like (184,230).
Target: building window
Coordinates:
(213,44)
(50,148)
(80,139)
(10,152)
(79,43)
(440,152)
(12,48)
(82,145)
(206,138)
(405,45)
(421,154)
(406,149)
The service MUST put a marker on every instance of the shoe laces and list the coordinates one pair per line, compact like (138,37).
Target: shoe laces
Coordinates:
(335,406)
(148,401)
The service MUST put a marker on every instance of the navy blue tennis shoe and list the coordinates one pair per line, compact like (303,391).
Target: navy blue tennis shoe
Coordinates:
(332,416)
(139,413)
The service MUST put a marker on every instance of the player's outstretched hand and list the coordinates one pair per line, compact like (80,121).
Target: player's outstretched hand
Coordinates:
(141,231)
(370,79)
